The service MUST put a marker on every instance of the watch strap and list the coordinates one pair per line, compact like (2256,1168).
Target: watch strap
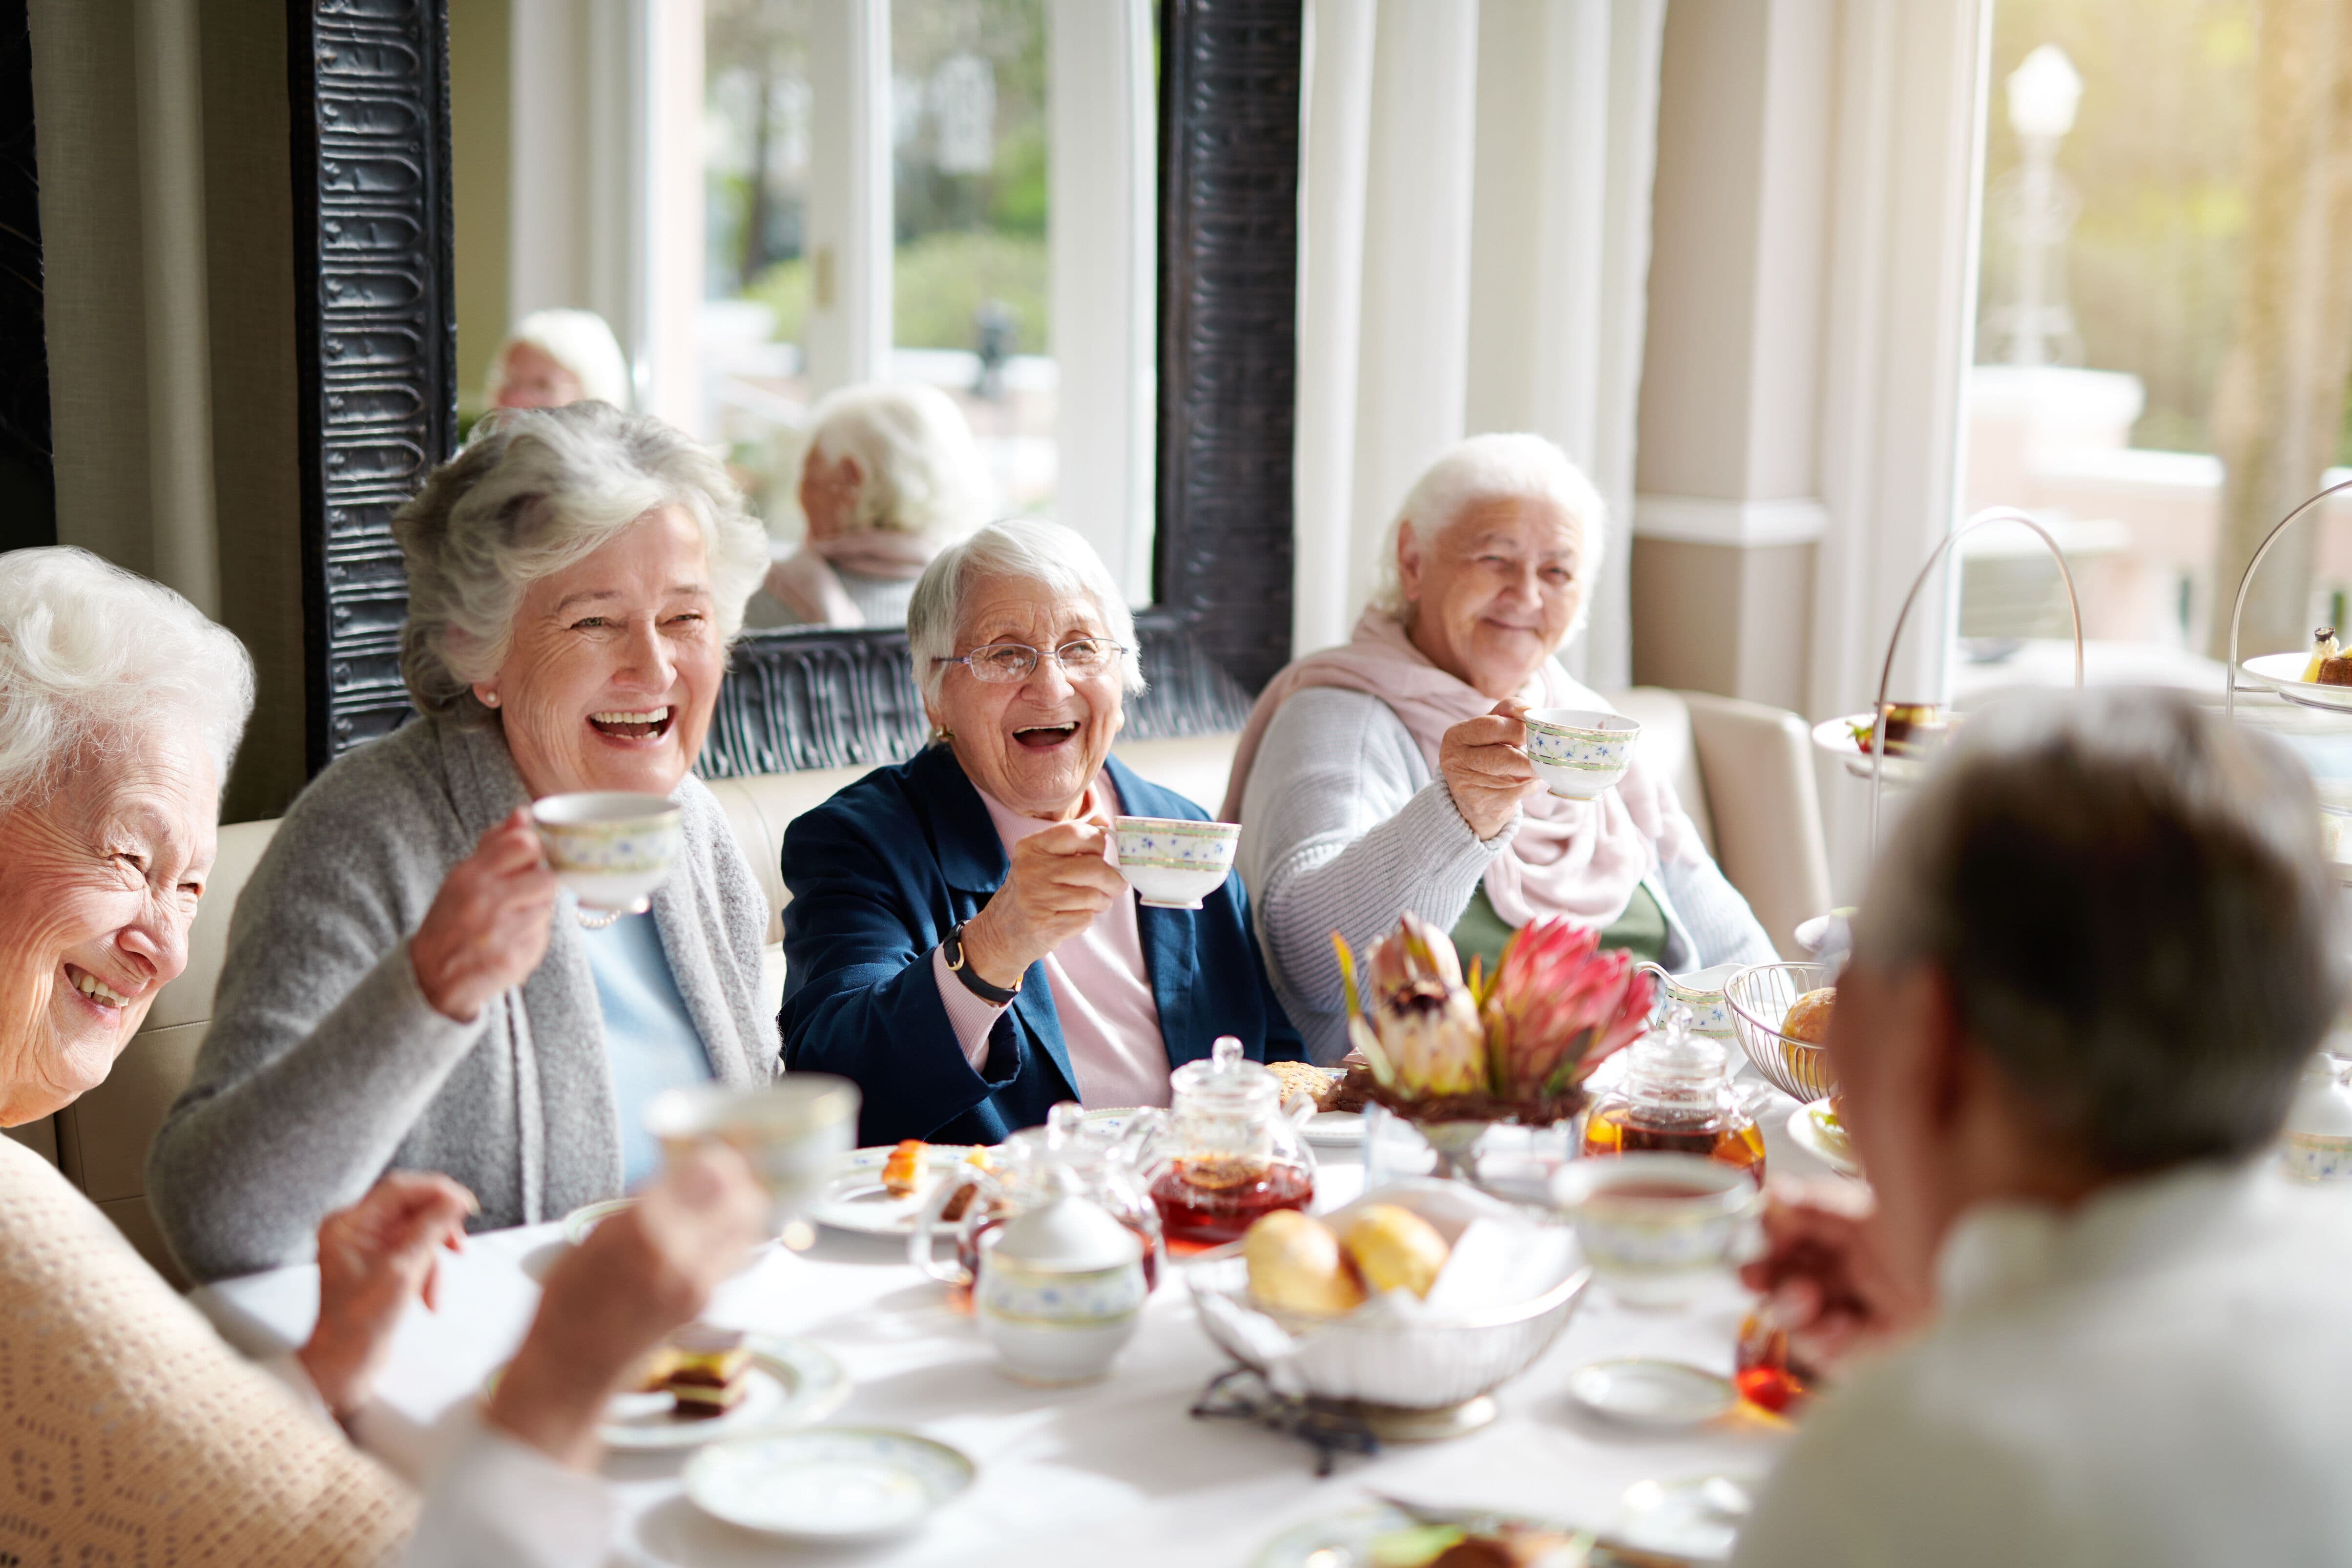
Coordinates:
(951,949)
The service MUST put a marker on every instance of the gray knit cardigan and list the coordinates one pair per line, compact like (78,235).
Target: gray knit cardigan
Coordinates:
(1343,826)
(326,1066)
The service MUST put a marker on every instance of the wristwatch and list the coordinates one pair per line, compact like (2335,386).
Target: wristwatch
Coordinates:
(952,951)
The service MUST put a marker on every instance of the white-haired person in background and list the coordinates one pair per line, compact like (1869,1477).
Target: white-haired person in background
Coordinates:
(554,358)
(403,984)
(130,1431)
(889,478)
(1390,773)
(2105,1330)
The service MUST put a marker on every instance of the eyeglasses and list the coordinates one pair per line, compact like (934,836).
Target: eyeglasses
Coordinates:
(1003,663)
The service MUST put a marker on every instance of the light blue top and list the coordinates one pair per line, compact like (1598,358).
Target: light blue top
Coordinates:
(649,1036)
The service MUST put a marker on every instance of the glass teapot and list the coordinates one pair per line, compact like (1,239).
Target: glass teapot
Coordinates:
(1225,1151)
(1027,1170)
(1677,1095)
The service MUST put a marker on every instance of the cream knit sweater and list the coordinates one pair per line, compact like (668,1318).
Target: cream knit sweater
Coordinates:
(131,1433)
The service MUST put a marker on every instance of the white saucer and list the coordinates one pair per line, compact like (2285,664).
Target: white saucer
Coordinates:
(1334,1129)
(854,1199)
(588,1217)
(791,1384)
(1663,1395)
(1805,1130)
(1694,1518)
(1835,737)
(832,1484)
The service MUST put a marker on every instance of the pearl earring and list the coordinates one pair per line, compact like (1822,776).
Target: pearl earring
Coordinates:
(491,700)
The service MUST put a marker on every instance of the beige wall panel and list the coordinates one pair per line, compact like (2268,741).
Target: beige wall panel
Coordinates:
(1711,618)
(481,84)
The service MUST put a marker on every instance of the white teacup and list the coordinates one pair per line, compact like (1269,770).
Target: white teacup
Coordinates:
(1701,992)
(795,1131)
(612,848)
(1173,862)
(1578,752)
(1658,1228)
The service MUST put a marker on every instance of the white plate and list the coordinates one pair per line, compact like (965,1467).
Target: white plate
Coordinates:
(854,1199)
(1697,1517)
(1835,736)
(1352,1538)
(1805,1130)
(791,1384)
(832,1484)
(1660,1395)
(1335,1129)
(588,1217)
(2283,673)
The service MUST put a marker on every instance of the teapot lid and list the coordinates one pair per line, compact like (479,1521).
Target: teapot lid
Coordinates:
(1673,1059)
(1071,1233)
(1226,1075)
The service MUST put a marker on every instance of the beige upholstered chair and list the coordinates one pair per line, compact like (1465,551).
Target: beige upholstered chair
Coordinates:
(1745,772)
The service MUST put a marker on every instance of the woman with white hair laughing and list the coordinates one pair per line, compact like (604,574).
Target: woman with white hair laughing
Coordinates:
(1392,772)
(960,941)
(404,984)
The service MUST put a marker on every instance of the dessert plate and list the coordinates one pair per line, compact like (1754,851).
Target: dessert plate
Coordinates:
(1334,1129)
(835,1484)
(855,1200)
(790,1383)
(1364,1537)
(1695,1518)
(1835,736)
(2283,673)
(1815,1129)
(1663,1396)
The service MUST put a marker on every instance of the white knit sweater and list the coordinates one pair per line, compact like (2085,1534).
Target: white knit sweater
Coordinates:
(1343,826)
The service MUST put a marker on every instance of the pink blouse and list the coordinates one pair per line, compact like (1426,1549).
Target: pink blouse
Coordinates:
(1110,1024)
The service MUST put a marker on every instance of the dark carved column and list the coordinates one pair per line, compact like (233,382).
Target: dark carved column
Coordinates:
(1228,324)
(376,346)
(28,496)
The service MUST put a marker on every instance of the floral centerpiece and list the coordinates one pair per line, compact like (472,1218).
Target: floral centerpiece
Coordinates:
(1444,1051)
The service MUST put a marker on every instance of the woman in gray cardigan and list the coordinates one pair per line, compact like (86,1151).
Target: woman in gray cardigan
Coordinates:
(1390,773)
(406,984)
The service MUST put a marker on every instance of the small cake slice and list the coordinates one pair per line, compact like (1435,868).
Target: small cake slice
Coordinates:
(712,1373)
(902,1173)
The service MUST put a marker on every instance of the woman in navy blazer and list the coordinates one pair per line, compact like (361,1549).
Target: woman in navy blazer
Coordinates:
(941,906)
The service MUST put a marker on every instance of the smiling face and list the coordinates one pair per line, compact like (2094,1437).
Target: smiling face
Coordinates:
(614,664)
(828,493)
(535,379)
(1492,597)
(98,886)
(1035,744)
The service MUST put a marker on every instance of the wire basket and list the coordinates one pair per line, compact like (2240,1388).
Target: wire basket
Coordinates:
(1759,996)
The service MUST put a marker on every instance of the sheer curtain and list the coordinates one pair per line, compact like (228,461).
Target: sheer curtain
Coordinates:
(1475,219)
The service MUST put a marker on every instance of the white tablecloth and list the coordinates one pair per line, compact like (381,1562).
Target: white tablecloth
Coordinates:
(1114,1473)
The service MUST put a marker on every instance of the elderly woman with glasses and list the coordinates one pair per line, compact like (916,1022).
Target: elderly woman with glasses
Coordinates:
(404,984)
(960,942)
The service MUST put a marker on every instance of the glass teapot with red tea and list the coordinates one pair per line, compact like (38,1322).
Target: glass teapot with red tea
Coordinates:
(1225,1151)
(1678,1096)
(1028,1169)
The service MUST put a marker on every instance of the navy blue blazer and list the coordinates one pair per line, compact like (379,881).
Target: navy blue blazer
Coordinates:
(881,873)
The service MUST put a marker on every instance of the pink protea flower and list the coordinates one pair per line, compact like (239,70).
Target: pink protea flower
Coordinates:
(1558,1007)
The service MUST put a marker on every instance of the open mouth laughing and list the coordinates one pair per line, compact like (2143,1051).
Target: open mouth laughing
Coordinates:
(1045,737)
(652,723)
(94,991)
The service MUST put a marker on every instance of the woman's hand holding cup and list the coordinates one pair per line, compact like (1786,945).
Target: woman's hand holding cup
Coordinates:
(487,928)
(1484,762)
(1062,877)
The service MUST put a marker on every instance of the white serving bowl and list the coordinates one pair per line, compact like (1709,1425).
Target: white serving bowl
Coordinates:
(1578,752)
(1173,862)
(1656,1227)
(613,849)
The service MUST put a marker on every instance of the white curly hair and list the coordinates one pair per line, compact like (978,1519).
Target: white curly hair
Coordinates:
(1044,553)
(1507,465)
(94,658)
(921,472)
(535,490)
(581,342)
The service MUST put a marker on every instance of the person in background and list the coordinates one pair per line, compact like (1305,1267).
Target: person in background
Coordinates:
(2103,1331)
(555,358)
(959,942)
(889,478)
(404,985)
(1391,772)
(131,1432)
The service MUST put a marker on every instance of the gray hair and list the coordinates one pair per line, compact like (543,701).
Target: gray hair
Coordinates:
(581,342)
(1503,466)
(535,490)
(2128,900)
(93,658)
(922,473)
(1057,558)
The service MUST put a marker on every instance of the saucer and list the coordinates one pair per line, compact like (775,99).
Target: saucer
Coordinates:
(1663,1395)
(829,1484)
(854,1200)
(791,1382)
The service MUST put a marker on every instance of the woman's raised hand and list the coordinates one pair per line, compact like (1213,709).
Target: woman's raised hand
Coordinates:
(373,1257)
(611,1299)
(487,928)
(1833,1282)
(1061,879)
(1484,762)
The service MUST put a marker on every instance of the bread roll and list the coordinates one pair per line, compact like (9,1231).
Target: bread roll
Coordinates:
(1809,1017)
(1294,1266)
(1394,1249)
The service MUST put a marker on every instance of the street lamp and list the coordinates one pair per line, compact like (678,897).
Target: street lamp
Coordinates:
(2039,206)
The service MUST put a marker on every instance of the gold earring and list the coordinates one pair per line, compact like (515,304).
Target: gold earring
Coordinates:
(941,733)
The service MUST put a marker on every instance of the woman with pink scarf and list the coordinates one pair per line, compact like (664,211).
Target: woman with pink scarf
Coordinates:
(1390,773)
(890,477)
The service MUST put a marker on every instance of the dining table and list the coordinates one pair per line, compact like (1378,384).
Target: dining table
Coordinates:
(1116,1471)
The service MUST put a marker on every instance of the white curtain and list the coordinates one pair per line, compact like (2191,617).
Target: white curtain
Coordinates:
(1474,217)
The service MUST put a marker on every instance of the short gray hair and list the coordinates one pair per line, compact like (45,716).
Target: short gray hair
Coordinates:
(581,342)
(535,490)
(94,658)
(1044,553)
(1502,466)
(921,471)
(2127,897)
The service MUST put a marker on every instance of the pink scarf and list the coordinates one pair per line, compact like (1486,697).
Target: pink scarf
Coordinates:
(804,581)
(1573,857)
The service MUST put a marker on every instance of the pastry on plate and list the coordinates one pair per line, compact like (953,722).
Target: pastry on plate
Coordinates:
(962,1199)
(1304,1083)
(902,1173)
(712,1372)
